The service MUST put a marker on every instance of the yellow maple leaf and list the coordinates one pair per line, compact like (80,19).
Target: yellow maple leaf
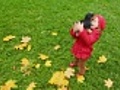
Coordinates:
(57,47)
(108,83)
(10,84)
(48,63)
(43,56)
(31,86)
(21,46)
(58,79)
(37,66)
(80,78)
(26,66)
(54,33)
(25,62)
(26,39)
(18,47)
(8,38)
(69,72)
(102,59)
(24,44)
(64,82)
(5,88)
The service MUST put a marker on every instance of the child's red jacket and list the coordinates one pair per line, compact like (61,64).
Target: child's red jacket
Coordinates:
(83,46)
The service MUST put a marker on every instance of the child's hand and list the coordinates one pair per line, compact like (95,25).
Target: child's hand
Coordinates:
(78,27)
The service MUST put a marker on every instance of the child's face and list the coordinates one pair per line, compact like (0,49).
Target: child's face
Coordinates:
(94,22)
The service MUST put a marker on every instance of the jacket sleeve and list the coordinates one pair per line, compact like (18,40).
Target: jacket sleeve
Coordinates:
(90,38)
(74,34)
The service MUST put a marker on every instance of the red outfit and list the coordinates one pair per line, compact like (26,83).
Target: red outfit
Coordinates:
(83,46)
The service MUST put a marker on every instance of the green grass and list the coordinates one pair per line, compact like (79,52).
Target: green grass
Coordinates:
(37,19)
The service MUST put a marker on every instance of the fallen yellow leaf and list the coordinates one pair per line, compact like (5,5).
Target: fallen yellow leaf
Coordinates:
(25,62)
(21,46)
(8,38)
(102,59)
(43,56)
(59,79)
(10,84)
(37,66)
(29,47)
(69,72)
(80,78)
(54,33)
(57,47)
(48,63)
(5,88)
(26,66)
(108,83)
(31,86)
(25,39)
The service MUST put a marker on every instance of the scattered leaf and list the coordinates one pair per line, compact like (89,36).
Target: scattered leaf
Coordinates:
(102,59)
(54,33)
(25,39)
(57,47)
(31,86)
(8,38)
(59,79)
(21,46)
(25,62)
(48,63)
(5,88)
(10,84)
(37,66)
(108,83)
(29,47)
(80,78)
(43,56)
(69,72)
(26,66)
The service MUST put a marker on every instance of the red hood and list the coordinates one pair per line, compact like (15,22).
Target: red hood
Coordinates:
(102,22)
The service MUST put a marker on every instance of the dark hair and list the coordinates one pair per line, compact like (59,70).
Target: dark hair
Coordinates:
(87,20)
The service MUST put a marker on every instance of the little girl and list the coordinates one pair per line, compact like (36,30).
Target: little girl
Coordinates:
(84,41)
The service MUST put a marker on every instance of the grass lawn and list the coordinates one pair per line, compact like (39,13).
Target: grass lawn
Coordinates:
(37,19)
